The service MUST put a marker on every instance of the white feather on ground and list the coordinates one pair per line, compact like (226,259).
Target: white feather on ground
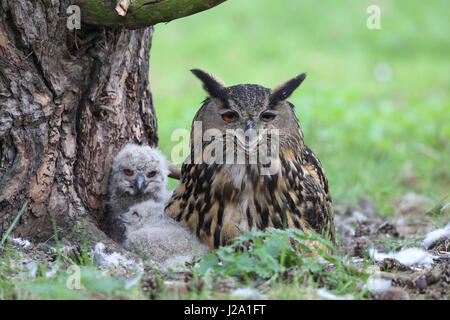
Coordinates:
(114,259)
(154,236)
(406,257)
(246,293)
(436,235)
(323,293)
(378,285)
(20,242)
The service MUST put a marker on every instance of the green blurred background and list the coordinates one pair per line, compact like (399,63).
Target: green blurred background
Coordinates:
(377,139)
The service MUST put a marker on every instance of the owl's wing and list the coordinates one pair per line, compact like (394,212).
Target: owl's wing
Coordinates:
(176,204)
(308,192)
(314,167)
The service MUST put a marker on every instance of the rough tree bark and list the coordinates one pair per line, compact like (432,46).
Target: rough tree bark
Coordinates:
(68,101)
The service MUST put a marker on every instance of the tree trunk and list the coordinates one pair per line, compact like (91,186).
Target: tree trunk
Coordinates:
(68,101)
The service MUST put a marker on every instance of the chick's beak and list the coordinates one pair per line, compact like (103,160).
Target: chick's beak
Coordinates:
(139,183)
(121,218)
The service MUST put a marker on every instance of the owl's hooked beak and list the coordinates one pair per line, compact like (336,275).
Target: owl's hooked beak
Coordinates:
(121,218)
(250,130)
(251,134)
(249,125)
(139,184)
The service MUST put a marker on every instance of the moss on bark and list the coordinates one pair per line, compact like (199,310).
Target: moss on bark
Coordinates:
(141,13)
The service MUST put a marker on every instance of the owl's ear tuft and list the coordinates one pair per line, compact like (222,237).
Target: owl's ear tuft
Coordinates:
(211,84)
(284,90)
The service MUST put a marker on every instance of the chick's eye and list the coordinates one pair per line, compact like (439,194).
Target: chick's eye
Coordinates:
(128,172)
(268,116)
(230,116)
(151,174)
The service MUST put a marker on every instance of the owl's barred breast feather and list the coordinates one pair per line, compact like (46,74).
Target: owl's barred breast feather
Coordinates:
(220,201)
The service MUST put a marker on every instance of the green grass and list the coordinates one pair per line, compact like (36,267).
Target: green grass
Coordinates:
(272,255)
(377,139)
(253,259)
(13,224)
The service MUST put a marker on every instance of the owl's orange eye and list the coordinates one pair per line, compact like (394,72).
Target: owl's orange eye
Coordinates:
(268,116)
(230,116)
(128,172)
(151,174)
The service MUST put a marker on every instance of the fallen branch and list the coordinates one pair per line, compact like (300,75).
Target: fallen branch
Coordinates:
(407,277)
(175,172)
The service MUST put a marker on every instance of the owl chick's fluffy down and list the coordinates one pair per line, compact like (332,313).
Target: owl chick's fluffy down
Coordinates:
(154,236)
(138,173)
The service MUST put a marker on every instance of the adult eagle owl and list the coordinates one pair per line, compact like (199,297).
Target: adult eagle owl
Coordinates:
(220,200)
